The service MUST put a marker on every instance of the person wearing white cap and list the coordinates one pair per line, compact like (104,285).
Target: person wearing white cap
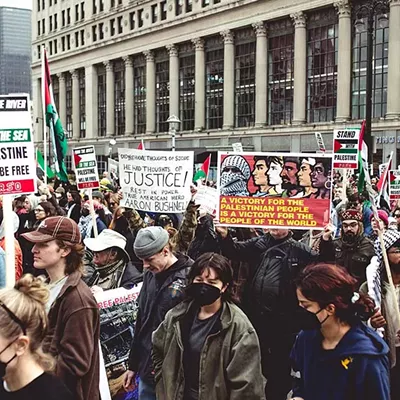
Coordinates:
(111,268)
(164,283)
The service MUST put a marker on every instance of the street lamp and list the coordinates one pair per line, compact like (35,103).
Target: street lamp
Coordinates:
(173,122)
(112,143)
(368,11)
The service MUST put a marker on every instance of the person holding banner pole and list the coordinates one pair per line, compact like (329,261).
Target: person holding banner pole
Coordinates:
(9,240)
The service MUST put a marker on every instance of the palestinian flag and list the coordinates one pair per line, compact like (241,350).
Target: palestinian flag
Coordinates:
(40,164)
(57,135)
(202,173)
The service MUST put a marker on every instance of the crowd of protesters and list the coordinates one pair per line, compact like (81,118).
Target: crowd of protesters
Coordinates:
(224,313)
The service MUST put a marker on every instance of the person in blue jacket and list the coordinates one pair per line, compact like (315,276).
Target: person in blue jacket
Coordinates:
(336,356)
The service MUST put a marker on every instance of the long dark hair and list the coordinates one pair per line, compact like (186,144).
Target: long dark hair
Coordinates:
(331,284)
(222,268)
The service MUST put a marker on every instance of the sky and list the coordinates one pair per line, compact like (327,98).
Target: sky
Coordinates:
(16,3)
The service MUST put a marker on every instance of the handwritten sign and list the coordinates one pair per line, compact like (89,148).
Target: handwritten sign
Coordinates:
(156,181)
(207,198)
(274,190)
(17,153)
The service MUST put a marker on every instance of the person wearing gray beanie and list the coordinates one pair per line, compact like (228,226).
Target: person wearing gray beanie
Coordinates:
(164,283)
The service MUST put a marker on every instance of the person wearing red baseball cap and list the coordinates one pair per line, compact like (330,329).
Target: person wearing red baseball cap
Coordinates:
(74,327)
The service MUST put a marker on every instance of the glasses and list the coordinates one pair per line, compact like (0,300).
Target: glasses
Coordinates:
(38,210)
(13,317)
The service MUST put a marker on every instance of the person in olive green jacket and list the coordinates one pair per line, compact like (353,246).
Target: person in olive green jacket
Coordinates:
(206,348)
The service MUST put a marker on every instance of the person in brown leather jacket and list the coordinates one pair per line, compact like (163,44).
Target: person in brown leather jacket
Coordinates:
(352,249)
(74,328)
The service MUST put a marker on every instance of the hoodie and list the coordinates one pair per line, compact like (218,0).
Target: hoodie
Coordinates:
(160,292)
(357,369)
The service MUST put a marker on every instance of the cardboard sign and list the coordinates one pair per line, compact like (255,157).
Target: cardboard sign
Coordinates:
(320,142)
(17,152)
(207,198)
(118,313)
(156,181)
(273,190)
(237,147)
(394,184)
(345,148)
(85,163)
(113,167)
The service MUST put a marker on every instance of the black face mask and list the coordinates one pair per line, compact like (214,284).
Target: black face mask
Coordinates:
(3,365)
(203,293)
(309,320)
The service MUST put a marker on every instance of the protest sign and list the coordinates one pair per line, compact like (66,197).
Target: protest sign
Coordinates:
(17,152)
(118,313)
(345,148)
(320,142)
(394,184)
(237,147)
(207,198)
(274,190)
(156,181)
(113,166)
(85,163)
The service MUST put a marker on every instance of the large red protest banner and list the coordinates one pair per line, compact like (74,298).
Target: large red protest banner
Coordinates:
(274,190)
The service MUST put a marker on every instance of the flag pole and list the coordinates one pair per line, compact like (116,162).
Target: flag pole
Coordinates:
(385,174)
(44,114)
(208,169)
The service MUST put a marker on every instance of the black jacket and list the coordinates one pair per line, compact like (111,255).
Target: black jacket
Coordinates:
(160,292)
(270,295)
(205,239)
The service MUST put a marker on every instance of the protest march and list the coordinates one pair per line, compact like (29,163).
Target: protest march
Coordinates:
(278,279)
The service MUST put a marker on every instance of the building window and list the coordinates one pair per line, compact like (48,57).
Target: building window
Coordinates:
(76,39)
(189,5)
(101,100)
(140,18)
(55,46)
(119,95)
(162,95)
(51,48)
(101,31)
(83,10)
(68,104)
(120,26)
(39,51)
(50,23)
(55,22)
(102,163)
(322,43)
(139,72)
(112,3)
(112,27)
(94,6)
(38,5)
(68,42)
(38,27)
(205,3)
(245,78)
(94,33)
(217,1)
(82,37)
(43,4)
(163,8)
(101,5)
(68,16)
(63,18)
(63,43)
(379,71)
(82,104)
(186,91)
(280,72)
(56,91)
(132,20)
(154,15)
(76,12)
(214,84)
(43,26)
(178,7)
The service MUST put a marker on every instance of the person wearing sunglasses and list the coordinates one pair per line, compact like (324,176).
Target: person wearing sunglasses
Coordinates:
(24,369)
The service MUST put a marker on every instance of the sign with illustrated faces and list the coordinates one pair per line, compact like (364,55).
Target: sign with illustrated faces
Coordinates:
(17,152)
(273,190)
(345,148)
(394,184)
(85,164)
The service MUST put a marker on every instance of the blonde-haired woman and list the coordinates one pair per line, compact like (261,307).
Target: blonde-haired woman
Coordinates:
(24,368)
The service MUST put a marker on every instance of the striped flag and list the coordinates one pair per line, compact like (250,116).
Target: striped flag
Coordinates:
(57,135)
(203,171)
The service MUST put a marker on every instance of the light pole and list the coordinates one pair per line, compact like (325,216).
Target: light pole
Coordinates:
(112,143)
(173,122)
(369,11)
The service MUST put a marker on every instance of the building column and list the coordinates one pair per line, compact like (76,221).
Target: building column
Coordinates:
(393,98)
(62,112)
(129,89)
(76,120)
(343,97)
(173,81)
(200,85)
(300,68)
(38,110)
(261,74)
(110,106)
(150,92)
(91,101)
(229,79)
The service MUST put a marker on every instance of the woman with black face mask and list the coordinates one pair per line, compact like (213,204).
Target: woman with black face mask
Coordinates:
(336,356)
(217,344)
(24,368)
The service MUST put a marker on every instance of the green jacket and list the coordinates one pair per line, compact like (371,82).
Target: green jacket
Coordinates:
(230,366)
